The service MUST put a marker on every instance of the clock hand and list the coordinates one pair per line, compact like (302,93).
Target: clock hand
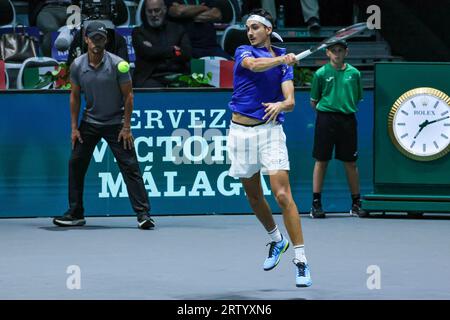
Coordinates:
(426,123)
(421,126)
(440,119)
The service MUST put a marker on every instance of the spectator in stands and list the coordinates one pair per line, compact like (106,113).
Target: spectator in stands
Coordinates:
(162,47)
(310,10)
(198,18)
(48,16)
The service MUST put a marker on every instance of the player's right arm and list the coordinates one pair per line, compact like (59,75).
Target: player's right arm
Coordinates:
(75,102)
(264,64)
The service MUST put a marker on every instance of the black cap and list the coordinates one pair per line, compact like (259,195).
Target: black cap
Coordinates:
(339,42)
(96,27)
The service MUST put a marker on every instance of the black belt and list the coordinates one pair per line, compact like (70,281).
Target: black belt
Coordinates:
(248,125)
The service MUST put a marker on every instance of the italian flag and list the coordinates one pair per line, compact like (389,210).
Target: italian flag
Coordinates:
(222,71)
(37,77)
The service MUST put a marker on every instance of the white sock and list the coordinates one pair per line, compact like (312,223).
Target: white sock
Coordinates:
(275,235)
(300,253)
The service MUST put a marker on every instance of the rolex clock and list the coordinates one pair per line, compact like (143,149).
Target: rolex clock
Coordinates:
(419,124)
(411,139)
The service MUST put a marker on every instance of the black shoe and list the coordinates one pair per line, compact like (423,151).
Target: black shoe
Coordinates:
(358,211)
(313,24)
(145,222)
(69,220)
(317,211)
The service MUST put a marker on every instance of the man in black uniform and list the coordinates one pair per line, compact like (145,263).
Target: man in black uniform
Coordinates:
(109,104)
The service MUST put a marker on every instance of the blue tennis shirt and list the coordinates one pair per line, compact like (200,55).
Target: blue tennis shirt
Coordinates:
(251,89)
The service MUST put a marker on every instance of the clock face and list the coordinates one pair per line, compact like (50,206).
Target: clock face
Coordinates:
(419,124)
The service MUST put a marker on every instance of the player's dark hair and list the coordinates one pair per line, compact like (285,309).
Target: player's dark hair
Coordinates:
(263,13)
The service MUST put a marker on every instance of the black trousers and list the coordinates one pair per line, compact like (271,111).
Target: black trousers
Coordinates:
(126,159)
(338,131)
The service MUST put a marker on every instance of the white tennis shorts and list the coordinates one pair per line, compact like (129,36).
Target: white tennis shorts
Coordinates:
(252,149)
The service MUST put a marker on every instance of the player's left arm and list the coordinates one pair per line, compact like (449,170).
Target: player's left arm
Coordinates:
(125,133)
(316,90)
(287,105)
(360,88)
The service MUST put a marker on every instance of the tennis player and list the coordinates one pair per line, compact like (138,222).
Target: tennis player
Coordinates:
(263,92)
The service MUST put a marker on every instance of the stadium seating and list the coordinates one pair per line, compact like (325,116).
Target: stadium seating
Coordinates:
(7,14)
(364,50)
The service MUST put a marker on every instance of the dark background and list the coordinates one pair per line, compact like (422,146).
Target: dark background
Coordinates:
(417,30)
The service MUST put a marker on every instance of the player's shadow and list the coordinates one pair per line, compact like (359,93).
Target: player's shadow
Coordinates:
(387,215)
(393,216)
(246,295)
(332,215)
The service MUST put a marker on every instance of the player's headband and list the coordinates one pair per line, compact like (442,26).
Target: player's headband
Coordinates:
(267,23)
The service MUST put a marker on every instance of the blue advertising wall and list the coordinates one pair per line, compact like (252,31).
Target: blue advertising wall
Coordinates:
(180,139)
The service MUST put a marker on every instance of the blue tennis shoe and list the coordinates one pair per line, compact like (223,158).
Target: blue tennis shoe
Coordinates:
(275,251)
(302,275)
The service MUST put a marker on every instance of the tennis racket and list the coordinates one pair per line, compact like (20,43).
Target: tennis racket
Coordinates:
(342,34)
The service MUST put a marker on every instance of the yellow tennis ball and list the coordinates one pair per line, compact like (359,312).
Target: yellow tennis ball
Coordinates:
(123,66)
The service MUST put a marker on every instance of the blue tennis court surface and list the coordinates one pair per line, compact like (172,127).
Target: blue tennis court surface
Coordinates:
(220,257)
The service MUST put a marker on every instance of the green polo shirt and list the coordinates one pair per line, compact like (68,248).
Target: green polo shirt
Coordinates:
(337,90)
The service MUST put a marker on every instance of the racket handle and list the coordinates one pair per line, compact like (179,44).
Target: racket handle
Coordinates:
(303,54)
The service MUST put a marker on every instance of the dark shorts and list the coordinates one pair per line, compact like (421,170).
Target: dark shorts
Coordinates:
(335,131)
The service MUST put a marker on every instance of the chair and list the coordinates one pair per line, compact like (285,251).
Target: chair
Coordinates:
(233,6)
(7,80)
(40,62)
(7,14)
(123,19)
(138,20)
(233,37)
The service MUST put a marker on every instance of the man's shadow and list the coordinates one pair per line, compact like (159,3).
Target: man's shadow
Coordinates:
(87,228)
(399,216)
(387,216)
